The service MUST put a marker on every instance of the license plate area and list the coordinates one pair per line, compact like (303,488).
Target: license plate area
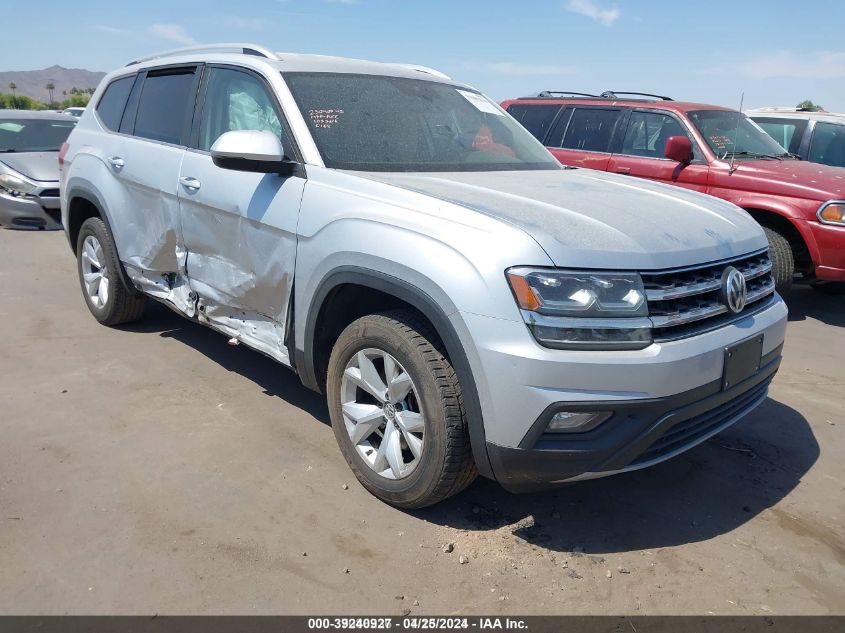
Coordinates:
(742,361)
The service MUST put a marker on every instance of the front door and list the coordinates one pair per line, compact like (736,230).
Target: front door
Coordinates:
(239,227)
(642,152)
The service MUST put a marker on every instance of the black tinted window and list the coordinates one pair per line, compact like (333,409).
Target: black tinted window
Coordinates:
(110,107)
(590,129)
(165,103)
(534,118)
(828,145)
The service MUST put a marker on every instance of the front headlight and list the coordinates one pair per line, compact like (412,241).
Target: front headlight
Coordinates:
(582,309)
(832,212)
(17,184)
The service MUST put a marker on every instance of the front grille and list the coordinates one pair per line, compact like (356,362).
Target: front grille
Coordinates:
(49,193)
(684,302)
(693,430)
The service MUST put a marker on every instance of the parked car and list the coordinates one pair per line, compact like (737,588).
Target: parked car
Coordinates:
(29,171)
(394,237)
(77,112)
(710,149)
(815,136)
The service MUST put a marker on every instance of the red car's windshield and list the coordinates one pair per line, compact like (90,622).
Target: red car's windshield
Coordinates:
(732,134)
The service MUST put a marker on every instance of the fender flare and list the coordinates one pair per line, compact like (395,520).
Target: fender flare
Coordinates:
(89,194)
(428,307)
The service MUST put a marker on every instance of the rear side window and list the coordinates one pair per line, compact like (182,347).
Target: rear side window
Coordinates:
(535,118)
(590,129)
(828,146)
(166,103)
(787,132)
(110,107)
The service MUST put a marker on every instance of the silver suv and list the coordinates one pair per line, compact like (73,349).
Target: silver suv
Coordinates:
(395,238)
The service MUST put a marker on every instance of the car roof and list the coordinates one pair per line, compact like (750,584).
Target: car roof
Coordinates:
(34,114)
(657,104)
(285,62)
(783,113)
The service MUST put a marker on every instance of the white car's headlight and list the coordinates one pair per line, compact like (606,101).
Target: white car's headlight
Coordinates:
(583,309)
(17,184)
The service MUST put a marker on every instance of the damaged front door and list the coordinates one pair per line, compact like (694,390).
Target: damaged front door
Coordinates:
(239,227)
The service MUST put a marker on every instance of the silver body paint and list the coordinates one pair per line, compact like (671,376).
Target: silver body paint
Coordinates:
(235,252)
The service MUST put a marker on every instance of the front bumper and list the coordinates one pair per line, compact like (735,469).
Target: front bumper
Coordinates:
(830,245)
(649,390)
(37,212)
(641,433)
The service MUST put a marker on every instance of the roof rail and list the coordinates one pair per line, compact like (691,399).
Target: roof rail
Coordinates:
(613,94)
(551,93)
(243,49)
(426,70)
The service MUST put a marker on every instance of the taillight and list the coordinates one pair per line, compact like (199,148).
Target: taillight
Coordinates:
(62,153)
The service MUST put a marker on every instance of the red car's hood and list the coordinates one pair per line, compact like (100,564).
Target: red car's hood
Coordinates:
(797,178)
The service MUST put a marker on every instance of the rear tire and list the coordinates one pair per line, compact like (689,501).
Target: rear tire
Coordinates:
(401,345)
(105,294)
(783,261)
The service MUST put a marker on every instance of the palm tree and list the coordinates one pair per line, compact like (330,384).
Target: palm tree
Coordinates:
(13,87)
(50,87)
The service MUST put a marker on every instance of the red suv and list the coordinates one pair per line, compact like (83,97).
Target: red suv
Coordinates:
(711,149)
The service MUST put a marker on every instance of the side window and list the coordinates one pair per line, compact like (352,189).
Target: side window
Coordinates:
(110,107)
(787,132)
(591,129)
(828,144)
(534,118)
(236,100)
(647,134)
(165,104)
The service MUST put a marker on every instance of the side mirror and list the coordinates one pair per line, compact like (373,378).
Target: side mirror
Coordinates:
(678,149)
(249,150)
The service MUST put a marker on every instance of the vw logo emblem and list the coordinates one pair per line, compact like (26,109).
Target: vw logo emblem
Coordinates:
(734,290)
(389,411)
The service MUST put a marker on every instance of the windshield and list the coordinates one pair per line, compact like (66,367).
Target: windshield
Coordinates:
(730,133)
(378,123)
(33,135)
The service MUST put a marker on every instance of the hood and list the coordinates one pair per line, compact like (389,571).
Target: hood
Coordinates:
(43,166)
(589,219)
(797,178)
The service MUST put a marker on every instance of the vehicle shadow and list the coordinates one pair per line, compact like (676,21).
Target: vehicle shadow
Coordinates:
(804,302)
(708,491)
(275,379)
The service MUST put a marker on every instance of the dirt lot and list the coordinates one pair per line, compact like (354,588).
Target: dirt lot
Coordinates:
(155,469)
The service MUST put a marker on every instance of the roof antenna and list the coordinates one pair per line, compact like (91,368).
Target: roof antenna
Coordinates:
(736,133)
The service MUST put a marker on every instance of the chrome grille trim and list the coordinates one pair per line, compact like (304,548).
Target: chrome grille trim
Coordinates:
(677,298)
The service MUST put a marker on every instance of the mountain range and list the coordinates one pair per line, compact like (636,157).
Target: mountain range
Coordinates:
(32,82)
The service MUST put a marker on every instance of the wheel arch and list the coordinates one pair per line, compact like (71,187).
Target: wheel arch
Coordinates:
(389,292)
(783,224)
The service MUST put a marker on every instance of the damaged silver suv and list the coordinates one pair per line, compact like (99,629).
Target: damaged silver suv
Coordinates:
(395,238)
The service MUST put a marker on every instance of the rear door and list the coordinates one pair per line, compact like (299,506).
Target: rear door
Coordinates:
(240,227)
(156,125)
(641,153)
(583,136)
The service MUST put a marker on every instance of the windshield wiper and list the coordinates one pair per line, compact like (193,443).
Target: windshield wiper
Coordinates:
(790,155)
(752,155)
(8,151)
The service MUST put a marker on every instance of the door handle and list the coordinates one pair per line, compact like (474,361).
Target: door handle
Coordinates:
(191,184)
(116,162)
(623,170)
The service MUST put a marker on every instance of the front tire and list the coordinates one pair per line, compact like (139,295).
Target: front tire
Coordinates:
(783,261)
(106,296)
(396,410)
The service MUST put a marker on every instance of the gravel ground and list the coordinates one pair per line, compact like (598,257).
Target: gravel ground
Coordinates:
(155,469)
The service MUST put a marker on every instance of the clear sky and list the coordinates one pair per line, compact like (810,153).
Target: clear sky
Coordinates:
(777,52)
